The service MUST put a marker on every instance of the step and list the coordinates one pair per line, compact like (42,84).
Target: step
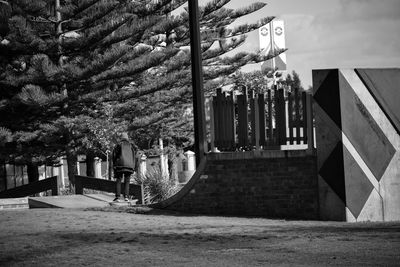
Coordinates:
(131,202)
(14,203)
(67,201)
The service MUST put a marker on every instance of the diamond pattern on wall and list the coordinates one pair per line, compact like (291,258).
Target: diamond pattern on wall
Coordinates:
(383,84)
(332,171)
(358,187)
(363,132)
(363,104)
(328,97)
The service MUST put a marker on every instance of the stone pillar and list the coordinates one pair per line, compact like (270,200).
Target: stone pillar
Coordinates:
(163,161)
(62,174)
(191,160)
(142,168)
(97,167)
(358,143)
(189,167)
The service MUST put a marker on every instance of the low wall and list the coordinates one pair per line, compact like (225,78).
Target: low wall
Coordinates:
(276,184)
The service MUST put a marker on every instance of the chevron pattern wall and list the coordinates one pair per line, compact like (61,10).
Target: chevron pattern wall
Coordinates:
(357,116)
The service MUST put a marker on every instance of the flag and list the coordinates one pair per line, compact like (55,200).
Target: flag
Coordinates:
(273,34)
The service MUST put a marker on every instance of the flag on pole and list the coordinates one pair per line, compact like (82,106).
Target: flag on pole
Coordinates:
(272,38)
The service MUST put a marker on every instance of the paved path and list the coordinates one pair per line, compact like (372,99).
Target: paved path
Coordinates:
(66,237)
(71,201)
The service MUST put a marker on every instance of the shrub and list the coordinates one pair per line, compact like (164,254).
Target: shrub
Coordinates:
(156,186)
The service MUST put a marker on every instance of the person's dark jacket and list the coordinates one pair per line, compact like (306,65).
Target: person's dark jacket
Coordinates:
(124,156)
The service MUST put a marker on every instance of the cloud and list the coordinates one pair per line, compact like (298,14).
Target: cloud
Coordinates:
(371,9)
(336,33)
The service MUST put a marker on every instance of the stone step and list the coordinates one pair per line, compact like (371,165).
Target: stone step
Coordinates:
(66,201)
(131,202)
(14,203)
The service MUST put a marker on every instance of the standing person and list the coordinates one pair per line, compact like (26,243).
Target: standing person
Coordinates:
(124,164)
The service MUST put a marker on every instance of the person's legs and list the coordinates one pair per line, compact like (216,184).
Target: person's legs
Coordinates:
(127,179)
(118,187)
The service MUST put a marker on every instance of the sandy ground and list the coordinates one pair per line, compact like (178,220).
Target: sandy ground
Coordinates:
(62,237)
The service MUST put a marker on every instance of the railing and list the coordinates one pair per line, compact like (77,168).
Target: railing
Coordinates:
(260,121)
(32,188)
(82,182)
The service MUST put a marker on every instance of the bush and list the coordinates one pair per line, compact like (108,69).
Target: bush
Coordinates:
(156,186)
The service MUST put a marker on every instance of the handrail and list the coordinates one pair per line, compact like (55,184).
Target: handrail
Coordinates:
(32,188)
(185,190)
(82,182)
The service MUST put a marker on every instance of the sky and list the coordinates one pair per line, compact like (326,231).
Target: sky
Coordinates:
(324,34)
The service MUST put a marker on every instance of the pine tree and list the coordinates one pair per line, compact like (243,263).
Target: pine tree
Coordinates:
(293,81)
(62,62)
(166,116)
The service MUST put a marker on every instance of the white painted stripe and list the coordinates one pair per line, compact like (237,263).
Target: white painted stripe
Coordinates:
(360,162)
(369,102)
(349,216)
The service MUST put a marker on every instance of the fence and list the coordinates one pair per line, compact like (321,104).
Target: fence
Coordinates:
(32,188)
(260,121)
(82,182)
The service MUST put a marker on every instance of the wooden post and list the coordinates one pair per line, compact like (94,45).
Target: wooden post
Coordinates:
(281,117)
(252,118)
(223,121)
(304,121)
(243,120)
(290,117)
(54,188)
(212,126)
(78,185)
(197,81)
(255,121)
(270,118)
(256,124)
(261,119)
(277,117)
(218,119)
(297,112)
(231,107)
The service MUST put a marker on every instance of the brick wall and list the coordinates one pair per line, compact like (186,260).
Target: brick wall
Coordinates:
(276,184)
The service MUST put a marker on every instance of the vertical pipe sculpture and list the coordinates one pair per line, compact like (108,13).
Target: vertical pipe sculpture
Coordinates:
(197,81)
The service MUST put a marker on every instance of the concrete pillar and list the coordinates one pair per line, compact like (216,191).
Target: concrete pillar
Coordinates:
(42,172)
(78,167)
(191,160)
(142,168)
(358,145)
(62,174)
(97,167)
(163,160)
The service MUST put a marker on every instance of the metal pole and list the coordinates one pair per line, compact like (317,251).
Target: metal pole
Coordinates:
(197,81)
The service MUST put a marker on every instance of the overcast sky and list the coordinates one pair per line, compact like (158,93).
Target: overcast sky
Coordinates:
(334,33)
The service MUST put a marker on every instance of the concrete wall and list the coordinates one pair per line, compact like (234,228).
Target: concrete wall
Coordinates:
(276,184)
(358,144)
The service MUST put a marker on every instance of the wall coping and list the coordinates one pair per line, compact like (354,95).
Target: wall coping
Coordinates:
(260,154)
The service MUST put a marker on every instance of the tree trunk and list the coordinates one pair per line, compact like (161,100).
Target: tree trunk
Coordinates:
(33,172)
(90,166)
(72,168)
(173,169)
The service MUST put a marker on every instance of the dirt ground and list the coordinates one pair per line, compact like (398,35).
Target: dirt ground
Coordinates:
(62,237)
